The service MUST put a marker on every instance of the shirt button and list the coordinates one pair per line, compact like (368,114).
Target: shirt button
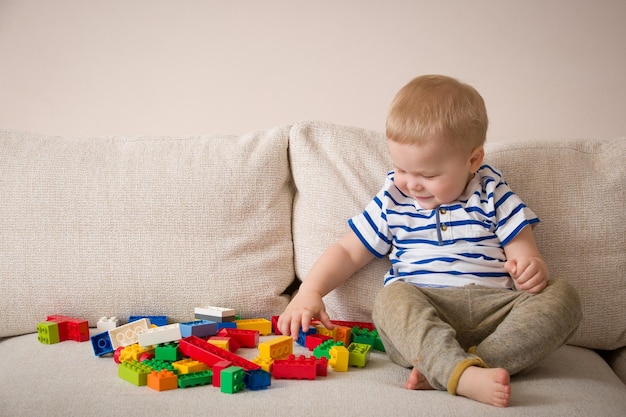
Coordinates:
(442,211)
(444,227)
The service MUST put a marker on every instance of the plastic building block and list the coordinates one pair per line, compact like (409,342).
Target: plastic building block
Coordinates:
(105,324)
(217,371)
(162,380)
(226,325)
(198,349)
(378,343)
(302,335)
(264,326)
(359,354)
(117,354)
(343,334)
(168,352)
(264,362)
(159,365)
(215,311)
(351,324)
(48,333)
(220,342)
(339,358)
(101,344)
(71,328)
(314,340)
(195,379)
(146,356)
(257,379)
(368,337)
(324,331)
(324,348)
(134,372)
(203,351)
(133,352)
(245,338)
(279,347)
(216,314)
(127,334)
(187,366)
(200,328)
(158,335)
(232,380)
(156,320)
(295,368)
(321,366)
(361,324)
(275,330)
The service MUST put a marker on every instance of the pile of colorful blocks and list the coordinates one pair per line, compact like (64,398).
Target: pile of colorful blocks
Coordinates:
(150,352)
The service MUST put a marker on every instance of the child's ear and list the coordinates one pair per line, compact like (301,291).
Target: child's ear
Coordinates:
(476,158)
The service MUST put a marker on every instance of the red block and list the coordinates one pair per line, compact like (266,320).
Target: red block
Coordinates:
(71,328)
(295,368)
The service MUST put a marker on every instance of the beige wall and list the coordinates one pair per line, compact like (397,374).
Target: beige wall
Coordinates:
(547,68)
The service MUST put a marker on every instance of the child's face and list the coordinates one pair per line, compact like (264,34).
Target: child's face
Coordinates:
(432,174)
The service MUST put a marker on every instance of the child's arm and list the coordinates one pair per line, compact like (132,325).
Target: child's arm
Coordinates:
(335,266)
(525,263)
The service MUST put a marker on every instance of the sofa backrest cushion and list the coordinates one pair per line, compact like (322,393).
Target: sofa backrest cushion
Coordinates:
(576,187)
(119,226)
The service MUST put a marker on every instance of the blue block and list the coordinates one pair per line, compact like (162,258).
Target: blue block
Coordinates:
(101,344)
(302,335)
(257,379)
(199,328)
(226,325)
(156,320)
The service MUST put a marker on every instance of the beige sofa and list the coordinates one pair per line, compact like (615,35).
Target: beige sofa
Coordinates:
(120,226)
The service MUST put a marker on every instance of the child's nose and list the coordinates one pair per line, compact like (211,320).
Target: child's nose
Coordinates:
(414,184)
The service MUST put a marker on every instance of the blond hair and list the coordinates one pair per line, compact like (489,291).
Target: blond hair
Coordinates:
(438,107)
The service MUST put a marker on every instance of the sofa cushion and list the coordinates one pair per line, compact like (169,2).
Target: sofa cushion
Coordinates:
(66,379)
(336,171)
(576,187)
(117,226)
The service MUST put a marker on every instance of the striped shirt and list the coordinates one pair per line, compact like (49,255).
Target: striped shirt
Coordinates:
(456,244)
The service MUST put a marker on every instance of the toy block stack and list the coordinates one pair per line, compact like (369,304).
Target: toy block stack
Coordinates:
(164,356)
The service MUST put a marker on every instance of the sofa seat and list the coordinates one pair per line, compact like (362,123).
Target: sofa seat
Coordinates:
(66,379)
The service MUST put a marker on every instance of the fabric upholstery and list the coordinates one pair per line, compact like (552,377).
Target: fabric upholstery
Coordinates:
(129,226)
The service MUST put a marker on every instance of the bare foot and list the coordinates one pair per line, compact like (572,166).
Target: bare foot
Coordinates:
(489,386)
(417,381)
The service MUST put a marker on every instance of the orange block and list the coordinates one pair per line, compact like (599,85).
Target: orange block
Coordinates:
(163,380)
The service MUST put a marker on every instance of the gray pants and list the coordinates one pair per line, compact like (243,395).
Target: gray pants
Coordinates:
(443,331)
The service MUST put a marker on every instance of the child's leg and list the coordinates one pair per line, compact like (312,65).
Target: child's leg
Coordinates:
(535,326)
(414,335)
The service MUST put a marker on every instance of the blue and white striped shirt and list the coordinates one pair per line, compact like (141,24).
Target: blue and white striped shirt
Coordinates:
(454,245)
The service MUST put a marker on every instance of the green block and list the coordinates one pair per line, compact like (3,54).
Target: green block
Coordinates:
(48,333)
(359,354)
(134,372)
(168,352)
(323,349)
(195,379)
(231,379)
(159,365)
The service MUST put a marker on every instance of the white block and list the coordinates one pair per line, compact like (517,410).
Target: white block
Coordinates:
(215,311)
(127,334)
(161,334)
(107,323)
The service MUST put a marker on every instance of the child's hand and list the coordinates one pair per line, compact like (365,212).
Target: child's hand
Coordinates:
(529,273)
(305,306)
